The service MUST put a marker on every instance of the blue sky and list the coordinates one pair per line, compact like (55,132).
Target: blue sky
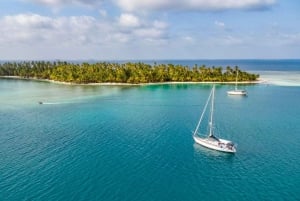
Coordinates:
(149,29)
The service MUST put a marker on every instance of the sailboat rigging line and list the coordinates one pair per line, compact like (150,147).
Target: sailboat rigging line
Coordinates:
(212,112)
(197,127)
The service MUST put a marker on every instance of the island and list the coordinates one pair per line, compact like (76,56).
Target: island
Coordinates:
(122,73)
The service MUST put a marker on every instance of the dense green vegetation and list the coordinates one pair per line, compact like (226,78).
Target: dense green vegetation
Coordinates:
(121,73)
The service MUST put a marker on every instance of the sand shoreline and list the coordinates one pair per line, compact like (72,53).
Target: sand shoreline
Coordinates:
(129,84)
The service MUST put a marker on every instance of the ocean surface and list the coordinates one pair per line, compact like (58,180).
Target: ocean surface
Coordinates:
(134,143)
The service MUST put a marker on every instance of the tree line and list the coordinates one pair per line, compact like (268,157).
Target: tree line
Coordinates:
(133,73)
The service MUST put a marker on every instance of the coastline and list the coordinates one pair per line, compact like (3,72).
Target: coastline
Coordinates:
(130,84)
(259,81)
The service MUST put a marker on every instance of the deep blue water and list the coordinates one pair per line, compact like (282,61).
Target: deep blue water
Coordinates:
(135,143)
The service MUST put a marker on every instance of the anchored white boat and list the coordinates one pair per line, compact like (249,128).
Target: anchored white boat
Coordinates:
(237,91)
(211,141)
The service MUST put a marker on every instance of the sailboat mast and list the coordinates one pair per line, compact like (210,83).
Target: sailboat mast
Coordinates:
(211,112)
(236,79)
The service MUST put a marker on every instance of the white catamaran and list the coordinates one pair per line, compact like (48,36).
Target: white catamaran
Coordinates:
(237,91)
(212,141)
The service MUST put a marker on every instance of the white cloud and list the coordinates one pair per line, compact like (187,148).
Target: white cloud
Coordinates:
(35,29)
(188,39)
(28,21)
(71,35)
(159,24)
(149,33)
(136,28)
(129,20)
(292,38)
(284,39)
(212,5)
(197,5)
(67,2)
(231,40)
(103,12)
(134,5)
(220,24)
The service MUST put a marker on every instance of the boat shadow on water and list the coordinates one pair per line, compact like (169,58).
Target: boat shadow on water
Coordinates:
(237,97)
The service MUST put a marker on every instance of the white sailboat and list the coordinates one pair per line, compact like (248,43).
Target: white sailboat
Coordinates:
(212,141)
(237,91)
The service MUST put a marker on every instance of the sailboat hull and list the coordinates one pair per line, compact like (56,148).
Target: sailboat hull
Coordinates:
(219,145)
(237,92)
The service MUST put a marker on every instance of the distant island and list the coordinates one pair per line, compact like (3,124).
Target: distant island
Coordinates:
(130,73)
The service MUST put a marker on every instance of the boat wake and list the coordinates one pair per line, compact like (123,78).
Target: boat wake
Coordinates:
(54,103)
(46,103)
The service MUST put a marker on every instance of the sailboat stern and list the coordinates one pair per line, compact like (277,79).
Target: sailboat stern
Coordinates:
(227,145)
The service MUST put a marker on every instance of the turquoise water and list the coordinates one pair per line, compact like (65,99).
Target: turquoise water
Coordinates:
(135,143)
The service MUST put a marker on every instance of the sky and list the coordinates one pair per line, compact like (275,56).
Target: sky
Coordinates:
(149,29)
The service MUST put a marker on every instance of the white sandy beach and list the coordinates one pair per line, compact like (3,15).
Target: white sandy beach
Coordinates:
(259,81)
